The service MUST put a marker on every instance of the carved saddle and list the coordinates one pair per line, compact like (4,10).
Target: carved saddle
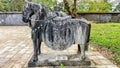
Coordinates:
(58,33)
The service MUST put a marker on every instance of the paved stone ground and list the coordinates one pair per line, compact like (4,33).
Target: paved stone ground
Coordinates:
(16,49)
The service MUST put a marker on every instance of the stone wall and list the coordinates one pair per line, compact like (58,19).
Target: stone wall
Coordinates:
(11,19)
(16,18)
(101,17)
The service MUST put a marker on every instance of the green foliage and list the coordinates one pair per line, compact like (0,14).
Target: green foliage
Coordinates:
(11,5)
(94,6)
(117,7)
(48,3)
(3,5)
(61,65)
(107,35)
(82,5)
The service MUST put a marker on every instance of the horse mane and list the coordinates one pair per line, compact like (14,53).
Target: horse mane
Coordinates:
(39,12)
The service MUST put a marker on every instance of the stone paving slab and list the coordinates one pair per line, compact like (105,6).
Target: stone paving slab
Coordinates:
(16,50)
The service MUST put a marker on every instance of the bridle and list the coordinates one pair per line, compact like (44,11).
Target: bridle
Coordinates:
(38,21)
(48,18)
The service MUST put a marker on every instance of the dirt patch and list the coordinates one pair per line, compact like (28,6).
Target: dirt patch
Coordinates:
(105,52)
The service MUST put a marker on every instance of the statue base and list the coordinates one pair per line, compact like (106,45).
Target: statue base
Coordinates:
(47,60)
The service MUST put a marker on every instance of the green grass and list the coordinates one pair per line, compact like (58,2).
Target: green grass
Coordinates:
(61,65)
(107,35)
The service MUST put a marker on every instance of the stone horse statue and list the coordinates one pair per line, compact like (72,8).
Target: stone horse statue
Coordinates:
(55,31)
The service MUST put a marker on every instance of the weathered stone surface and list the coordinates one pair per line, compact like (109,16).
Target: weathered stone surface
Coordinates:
(92,17)
(115,18)
(57,60)
(15,18)
(104,18)
(11,19)
(10,41)
(59,33)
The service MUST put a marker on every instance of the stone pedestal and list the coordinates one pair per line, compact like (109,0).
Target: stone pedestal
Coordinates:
(56,60)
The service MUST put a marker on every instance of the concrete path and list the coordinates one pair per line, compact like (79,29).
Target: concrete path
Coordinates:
(16,49)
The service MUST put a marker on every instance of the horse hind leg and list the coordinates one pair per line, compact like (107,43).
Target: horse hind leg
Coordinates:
(82,53)
(79,50)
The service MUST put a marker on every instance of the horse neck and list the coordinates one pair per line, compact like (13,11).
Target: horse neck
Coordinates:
(42,16)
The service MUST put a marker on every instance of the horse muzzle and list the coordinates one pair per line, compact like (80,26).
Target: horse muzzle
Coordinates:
(25,20)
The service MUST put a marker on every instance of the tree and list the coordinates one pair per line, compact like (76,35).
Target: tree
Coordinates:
(71,10)
(74,9)
(94,6)
(48,3)
(71,6)
(11,5)
(99,6)
(16,5)
(74,6)
(3,6)
(117,8)
(67,7)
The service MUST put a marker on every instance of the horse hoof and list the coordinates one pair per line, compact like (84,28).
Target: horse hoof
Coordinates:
(82,58)
(35,59)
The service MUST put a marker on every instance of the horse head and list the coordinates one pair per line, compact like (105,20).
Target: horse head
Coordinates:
(30,9)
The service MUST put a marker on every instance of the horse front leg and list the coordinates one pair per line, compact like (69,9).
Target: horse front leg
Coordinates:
(30,24)
(39,45)
(35,45)
(82,53)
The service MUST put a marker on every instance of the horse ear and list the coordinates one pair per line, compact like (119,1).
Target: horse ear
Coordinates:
(28,4)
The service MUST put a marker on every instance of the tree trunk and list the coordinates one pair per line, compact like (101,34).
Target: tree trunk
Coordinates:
(74,9)
(72,12)
(67,7)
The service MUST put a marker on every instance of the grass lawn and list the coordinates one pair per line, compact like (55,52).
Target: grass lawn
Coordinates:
(108,36)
